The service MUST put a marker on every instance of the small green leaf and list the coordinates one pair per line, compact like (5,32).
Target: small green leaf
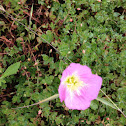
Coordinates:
(45,58)
(12,69)
(106,102)
(94,105)
(2,81)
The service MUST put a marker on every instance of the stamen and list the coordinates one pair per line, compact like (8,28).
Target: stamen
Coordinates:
(74,83)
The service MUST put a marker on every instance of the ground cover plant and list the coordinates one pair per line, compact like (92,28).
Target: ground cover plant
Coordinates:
(89,32)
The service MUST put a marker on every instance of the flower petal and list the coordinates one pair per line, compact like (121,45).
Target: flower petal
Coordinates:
(75,102)
(62,92)
(75,68)
(92,88)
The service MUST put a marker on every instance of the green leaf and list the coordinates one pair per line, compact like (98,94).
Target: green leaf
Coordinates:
(45,58)
(106,102)
(12,69)
(49,36)
(94,105)
(2,81)
(64,49)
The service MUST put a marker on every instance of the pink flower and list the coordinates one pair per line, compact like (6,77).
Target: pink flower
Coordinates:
(78,86)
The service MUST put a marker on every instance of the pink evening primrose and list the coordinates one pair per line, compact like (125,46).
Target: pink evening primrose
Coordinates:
(78,86)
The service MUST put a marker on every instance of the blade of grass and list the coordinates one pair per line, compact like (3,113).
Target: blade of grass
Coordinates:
(31,12)
(113,103)
(45,100)
(106,102)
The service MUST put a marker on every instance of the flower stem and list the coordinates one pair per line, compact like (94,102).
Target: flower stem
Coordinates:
(113,103)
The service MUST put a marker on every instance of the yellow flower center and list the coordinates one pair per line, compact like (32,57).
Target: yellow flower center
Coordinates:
(73,82)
